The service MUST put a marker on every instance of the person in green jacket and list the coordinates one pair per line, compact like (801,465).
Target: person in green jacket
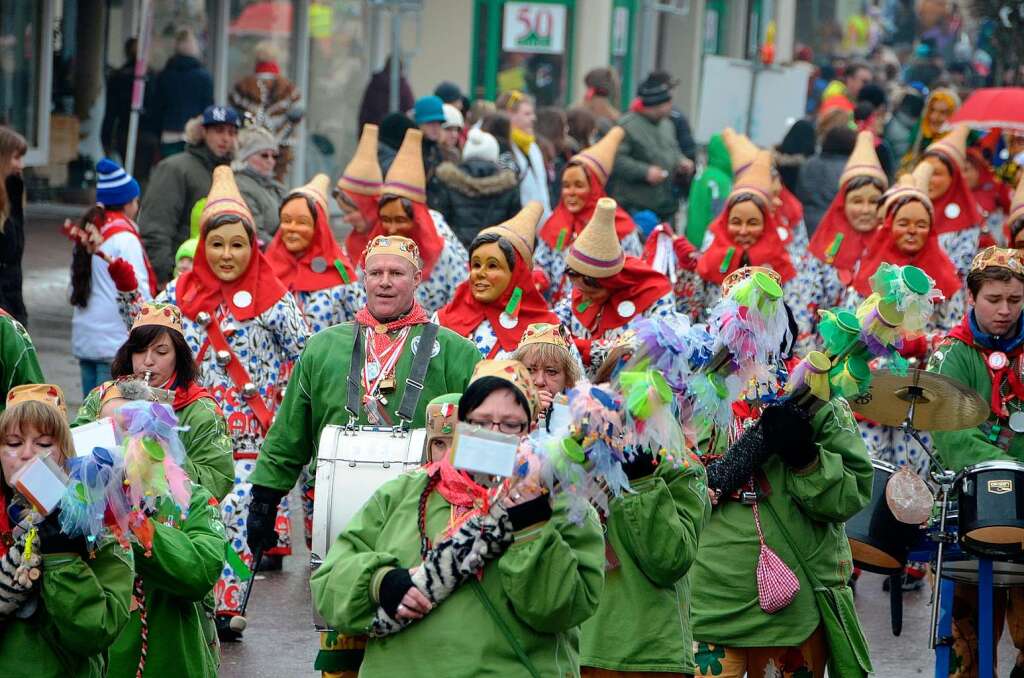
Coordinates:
(984,352)
(19,363)
(642,626)
(815,475)
(317,396)
(156,345)
(521,617)
(709,191)
(62,621)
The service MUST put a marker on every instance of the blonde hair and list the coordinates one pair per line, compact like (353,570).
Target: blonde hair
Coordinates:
(12,145)
(479,110)
(511,100)
(549,354)
(45,419)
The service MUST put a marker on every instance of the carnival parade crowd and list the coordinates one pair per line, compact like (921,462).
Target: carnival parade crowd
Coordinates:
(672,393)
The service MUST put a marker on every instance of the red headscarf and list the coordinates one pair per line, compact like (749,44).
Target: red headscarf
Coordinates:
(296,272)
(965,212)
(356,242)
(637,283)
(562,220)
(852,246)
(767,251)
(464,313)
(201,290)
(424,234)
(791,212)
(932,259)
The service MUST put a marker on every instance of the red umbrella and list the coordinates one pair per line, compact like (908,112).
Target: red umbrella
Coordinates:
(1001,107)
(263,18)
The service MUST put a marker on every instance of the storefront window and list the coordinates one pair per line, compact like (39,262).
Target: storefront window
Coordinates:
(20,41)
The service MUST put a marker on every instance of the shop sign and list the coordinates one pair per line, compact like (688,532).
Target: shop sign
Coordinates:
(533,27)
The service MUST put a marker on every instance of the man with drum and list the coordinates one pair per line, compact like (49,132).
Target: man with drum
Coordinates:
(371,366)
(984,353)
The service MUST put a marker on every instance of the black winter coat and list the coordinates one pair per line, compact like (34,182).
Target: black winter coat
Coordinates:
(474,195)
(183,90)
(12,249)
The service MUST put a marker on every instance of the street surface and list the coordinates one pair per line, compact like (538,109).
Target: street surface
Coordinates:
(280,640)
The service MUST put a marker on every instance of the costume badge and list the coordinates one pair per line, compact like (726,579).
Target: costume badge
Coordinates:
(242,299)
(507,321)
(1017,422)
(626,309)
(319,265)
(997,360)
(783,233)
(952,210)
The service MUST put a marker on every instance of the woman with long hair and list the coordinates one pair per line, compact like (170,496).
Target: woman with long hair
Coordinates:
(933,125)
(12,222)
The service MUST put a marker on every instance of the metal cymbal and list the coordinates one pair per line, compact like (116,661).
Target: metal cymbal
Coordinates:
(940,403)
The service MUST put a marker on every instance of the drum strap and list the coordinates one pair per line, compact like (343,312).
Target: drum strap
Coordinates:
(413,384)
(239,377)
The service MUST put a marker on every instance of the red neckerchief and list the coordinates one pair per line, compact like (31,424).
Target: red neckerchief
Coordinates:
(637,283)
(767,251)
(466,497)
(562,227)
(118,222)
(932,259)
(424,234)
(380,331)
(296,272)
(852,246)
(1007,373)
(959,194)
(186,395)
(464,313)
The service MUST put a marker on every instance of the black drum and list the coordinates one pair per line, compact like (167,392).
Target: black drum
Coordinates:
(879,542)
(990,497)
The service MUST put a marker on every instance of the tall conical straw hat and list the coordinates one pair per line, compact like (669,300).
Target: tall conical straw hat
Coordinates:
(757,178)
(406,177)
(863,161)
(596,252)
(316,190)
(601,156)
(224,198)
(521,230)
(742,150)
(1017,206)
(914,185)
(953,146)
(362,174)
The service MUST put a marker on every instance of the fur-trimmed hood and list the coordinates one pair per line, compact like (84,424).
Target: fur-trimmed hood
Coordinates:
(476,178)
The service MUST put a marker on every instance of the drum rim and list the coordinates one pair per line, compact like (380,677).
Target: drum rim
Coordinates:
(884,465)
(992,465)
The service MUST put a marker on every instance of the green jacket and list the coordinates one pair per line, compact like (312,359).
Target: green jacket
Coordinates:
(813,504)
(709,191)
(210,460)
(959,449)
(544,587)
(174,187)
(183,567)
(318,390)
(646,143)
(83,606)
(19,363)
(643,621)
(263,195)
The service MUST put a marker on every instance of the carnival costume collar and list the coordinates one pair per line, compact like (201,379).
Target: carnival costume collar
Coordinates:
(633,290)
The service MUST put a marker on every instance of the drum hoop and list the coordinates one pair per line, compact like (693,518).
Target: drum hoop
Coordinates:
(994,465)
(884,465)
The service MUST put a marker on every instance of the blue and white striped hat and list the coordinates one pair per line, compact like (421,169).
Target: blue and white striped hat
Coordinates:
(114,186)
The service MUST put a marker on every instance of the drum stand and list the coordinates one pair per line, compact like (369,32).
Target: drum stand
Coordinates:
(940,634)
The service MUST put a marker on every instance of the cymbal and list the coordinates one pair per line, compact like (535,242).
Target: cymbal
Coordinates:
(940,403)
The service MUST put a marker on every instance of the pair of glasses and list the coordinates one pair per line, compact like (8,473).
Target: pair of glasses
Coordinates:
(268,155)
(576,275)
(508,427)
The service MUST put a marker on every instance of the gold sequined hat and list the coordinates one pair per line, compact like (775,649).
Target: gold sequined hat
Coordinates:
(597,252)
(48,394)
(601,156)
(406,177)
(742,150)
(544,333)
(164,315)
(914,185)
(998,257)
(515,373)
(362,175)
(316,190)
(863,161)
(521,230)
(224,198)
(397,245)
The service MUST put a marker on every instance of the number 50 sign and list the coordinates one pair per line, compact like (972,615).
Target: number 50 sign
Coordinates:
(533,27)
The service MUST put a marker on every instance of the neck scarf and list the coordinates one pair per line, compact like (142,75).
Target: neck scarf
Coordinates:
(321,266)
(956,210)
(986,344)
(724,256)
(118,222)
(522,139)
(562,227)
(637,283)
(464,313)
(423,233)
(201,290)
(185,395)
(467,498)
(932,259)
(380,331)
(836,243)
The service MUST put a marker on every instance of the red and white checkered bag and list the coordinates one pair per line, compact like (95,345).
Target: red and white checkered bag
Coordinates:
(777,586)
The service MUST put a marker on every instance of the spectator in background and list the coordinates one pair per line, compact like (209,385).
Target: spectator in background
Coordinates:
(684,134)
(428,114)
(184,89)
(601,98)
(178,182)
(12,218)
(116,116)
(867,117)
(819,177)
(899,130)
(392,131)
(480,109)
(254,175)
(377,96)
(582,128)
(790,156)
(648,159)
(450,93)
(932,126)
(477,192)
(533,181)
(451,133)
(272,101)
(552,126)
(710,190)
(499,125)
(855,76)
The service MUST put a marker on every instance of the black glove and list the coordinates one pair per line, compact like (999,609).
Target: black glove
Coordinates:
(393,587)
(788,433)
(642,465)
(262,518)
(52,540)
(733,470)
(531,512)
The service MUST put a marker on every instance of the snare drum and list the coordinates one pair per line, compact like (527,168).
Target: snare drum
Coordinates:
(990,497)
(962,567)
(878,541)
